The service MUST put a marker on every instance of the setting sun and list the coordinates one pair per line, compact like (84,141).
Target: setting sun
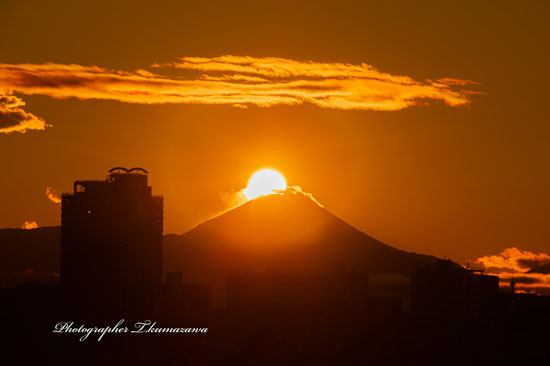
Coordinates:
(264,182)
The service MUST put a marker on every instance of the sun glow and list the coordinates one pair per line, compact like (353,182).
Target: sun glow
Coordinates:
(264,182)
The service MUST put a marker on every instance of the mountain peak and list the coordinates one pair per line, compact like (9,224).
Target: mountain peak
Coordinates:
(271,220)
(288,232)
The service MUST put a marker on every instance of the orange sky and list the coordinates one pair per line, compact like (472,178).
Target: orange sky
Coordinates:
(464,176)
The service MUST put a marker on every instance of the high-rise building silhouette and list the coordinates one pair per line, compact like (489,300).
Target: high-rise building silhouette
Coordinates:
(111,232)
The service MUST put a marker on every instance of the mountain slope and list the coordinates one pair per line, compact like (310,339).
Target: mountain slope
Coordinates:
(284,232)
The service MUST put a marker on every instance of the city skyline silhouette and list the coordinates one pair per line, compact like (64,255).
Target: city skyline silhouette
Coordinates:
(274,183)
(299,276)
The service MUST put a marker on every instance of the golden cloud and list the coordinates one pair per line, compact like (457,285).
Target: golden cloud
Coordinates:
(28,225)
(513,260)
(514,263)
(299,190)
(14,119)
(52,195)
(239,81)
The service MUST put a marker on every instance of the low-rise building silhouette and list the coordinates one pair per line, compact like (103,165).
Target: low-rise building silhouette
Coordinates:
(445,296)
(278,295)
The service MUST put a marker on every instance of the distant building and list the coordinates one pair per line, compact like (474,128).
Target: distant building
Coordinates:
(111,232)
(279,295)
(443,295)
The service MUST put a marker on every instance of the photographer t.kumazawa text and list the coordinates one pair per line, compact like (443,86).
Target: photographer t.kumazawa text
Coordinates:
(145,326)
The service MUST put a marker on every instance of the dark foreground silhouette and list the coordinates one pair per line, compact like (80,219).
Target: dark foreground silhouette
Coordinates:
(278,281)
(273,318)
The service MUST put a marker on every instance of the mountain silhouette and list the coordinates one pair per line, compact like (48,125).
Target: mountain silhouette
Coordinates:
(287,232)
(33,251)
